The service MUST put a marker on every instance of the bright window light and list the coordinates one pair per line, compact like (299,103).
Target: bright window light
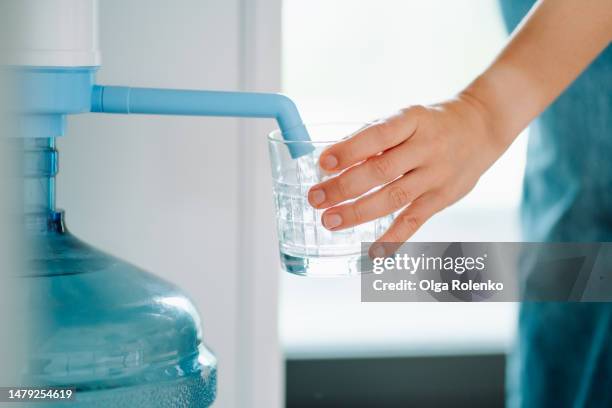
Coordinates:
(357,60)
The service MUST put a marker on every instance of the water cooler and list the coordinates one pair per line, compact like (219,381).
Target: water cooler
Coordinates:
(117,334)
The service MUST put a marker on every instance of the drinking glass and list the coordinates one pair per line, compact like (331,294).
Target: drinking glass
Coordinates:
(306,247)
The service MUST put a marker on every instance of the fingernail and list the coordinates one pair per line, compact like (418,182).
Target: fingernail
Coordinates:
(377,250)
(332,220)
(316,197)
(328,162)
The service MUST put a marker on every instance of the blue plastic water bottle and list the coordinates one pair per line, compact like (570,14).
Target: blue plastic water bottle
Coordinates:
(118,335)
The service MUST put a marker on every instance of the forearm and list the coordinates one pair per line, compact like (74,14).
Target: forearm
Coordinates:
(553,45)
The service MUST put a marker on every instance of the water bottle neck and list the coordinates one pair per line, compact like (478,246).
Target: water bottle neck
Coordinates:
(39,160)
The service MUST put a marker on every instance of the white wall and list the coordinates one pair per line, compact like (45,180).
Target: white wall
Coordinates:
(188,198)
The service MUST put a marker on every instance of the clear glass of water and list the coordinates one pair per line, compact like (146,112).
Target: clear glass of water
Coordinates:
(306,247)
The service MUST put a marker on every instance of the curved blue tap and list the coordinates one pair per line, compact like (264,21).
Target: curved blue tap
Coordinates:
(121,99)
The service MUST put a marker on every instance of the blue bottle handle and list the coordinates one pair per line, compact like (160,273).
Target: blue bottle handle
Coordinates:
(121,99)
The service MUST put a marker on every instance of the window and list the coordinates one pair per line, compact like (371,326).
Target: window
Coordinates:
(349,60)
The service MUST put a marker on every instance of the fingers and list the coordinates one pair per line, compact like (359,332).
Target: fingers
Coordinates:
(387,200)
(373,172)
(369,142)
(407,223)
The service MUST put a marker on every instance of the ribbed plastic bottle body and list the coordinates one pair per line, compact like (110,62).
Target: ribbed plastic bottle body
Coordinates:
(120,335)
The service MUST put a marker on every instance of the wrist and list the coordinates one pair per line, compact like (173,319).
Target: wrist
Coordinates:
(478,96)
(507,100)
(483,125)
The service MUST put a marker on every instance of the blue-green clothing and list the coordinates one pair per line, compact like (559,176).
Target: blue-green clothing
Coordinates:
(563,355)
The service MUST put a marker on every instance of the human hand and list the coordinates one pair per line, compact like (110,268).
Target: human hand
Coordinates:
(423,158)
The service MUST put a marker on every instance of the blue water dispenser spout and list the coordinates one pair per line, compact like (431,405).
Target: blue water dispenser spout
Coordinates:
(49,94)
(122,99)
